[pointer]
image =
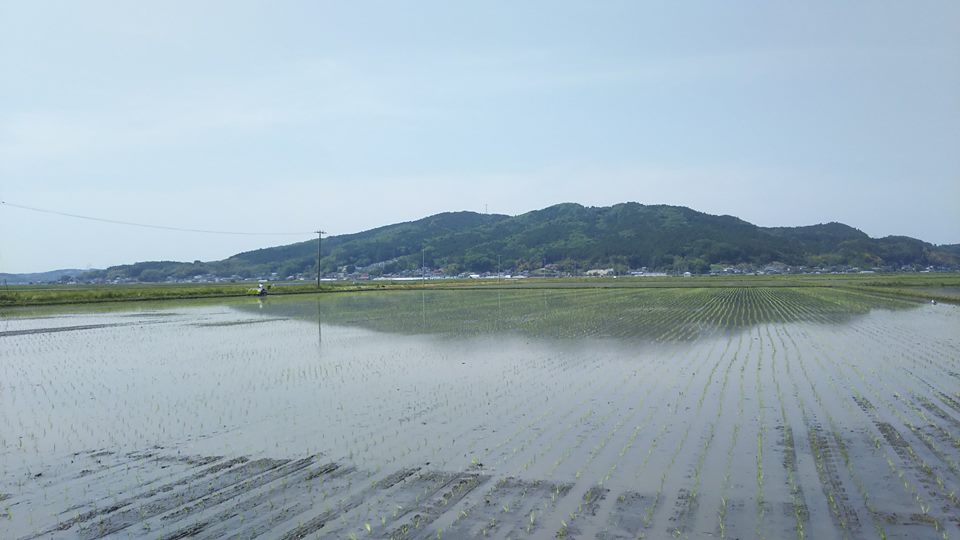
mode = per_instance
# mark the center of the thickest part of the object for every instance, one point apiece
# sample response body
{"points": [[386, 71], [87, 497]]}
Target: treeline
{"points": [[568, 237]]}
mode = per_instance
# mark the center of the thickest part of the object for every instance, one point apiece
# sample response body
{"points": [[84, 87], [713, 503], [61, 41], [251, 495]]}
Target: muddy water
{"points": [[593, 415]]}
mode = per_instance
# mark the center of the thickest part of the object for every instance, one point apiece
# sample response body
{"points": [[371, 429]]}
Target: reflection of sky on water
{"points": [[383, 382], [214, 380]]}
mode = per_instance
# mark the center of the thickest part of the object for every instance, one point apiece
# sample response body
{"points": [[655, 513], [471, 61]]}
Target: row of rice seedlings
{"points": [[443, 411], [618, 385], [951, 438], [761, 427], [725, 484], [602, 443], [749, 311], [897, 353], [662, 318], [833, 304], [927, 440], [734, 435], [897, 356], [641, 468], [722, 319], [737, 308], [919, 463], [468, 438], [694, 492], [944, 348], [811, 305], [569, 449], [910, 349], [762, 305], [714, 311], [910, 488], [700, 317], [587, 313], [886, 389], [670, 361], [551, 444], [863, 491], [641, 314], [444, 407], [534, 431], [732, 317], [820, 464], [645, 393], [800, 512], [124, 426], [630, 442], [33, 386], [668, 322], [648, 515], [814, 440], [748, 354], [861, 488]]}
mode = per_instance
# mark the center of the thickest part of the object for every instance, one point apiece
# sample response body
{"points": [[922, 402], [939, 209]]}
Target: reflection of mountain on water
{"points": [[657, 314]]}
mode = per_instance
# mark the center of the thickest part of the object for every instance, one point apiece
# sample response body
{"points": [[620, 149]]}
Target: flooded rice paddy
{"points": [[700, 413]]}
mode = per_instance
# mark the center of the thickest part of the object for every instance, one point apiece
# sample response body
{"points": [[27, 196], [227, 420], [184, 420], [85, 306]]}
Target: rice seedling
{"points": [[591, 390]]}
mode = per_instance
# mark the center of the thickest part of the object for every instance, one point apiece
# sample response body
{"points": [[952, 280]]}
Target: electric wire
{"points": [[151, 226]]}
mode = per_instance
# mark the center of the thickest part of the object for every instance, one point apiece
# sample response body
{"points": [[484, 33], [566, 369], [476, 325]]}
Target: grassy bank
{"points": [[940, 287], [35, 295]]}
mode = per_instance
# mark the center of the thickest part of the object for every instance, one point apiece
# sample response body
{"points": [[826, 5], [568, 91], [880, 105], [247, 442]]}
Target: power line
{"points": [[149, 226]]}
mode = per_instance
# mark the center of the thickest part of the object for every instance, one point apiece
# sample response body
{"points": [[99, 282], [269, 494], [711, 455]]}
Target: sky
{"points": [[292, 116]]}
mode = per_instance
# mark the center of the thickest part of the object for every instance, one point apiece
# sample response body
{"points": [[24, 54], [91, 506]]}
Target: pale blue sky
{"points": [[286, 116]]}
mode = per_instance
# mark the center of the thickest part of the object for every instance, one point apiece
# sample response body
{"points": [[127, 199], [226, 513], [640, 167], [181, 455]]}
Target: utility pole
{"points": [[423, 266], [320, 234]]}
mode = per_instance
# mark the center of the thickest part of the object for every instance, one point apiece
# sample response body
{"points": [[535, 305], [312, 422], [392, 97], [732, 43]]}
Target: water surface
{"points": [[596, 413]]}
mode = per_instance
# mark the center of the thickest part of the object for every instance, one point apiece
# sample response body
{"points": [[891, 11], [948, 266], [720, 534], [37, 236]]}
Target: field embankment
{"points": [[921, 287]]}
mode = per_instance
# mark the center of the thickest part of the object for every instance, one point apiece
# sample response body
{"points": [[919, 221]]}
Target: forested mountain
{"points": [[569, 237], [41, 277]]}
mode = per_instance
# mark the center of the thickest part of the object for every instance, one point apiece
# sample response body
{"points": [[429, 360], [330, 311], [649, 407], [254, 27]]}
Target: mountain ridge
{"points": [[38, 277], [568, 237]]}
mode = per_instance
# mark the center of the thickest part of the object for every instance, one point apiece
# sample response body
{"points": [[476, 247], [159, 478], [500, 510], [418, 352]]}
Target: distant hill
{"points": [[950, 248], [41, 277], [567, 237]]}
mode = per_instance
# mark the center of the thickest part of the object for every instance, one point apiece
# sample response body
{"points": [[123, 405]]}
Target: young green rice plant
{"points": [[790, 451], [921, 465], [928, 441], [848, 462], [759, 456]]}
